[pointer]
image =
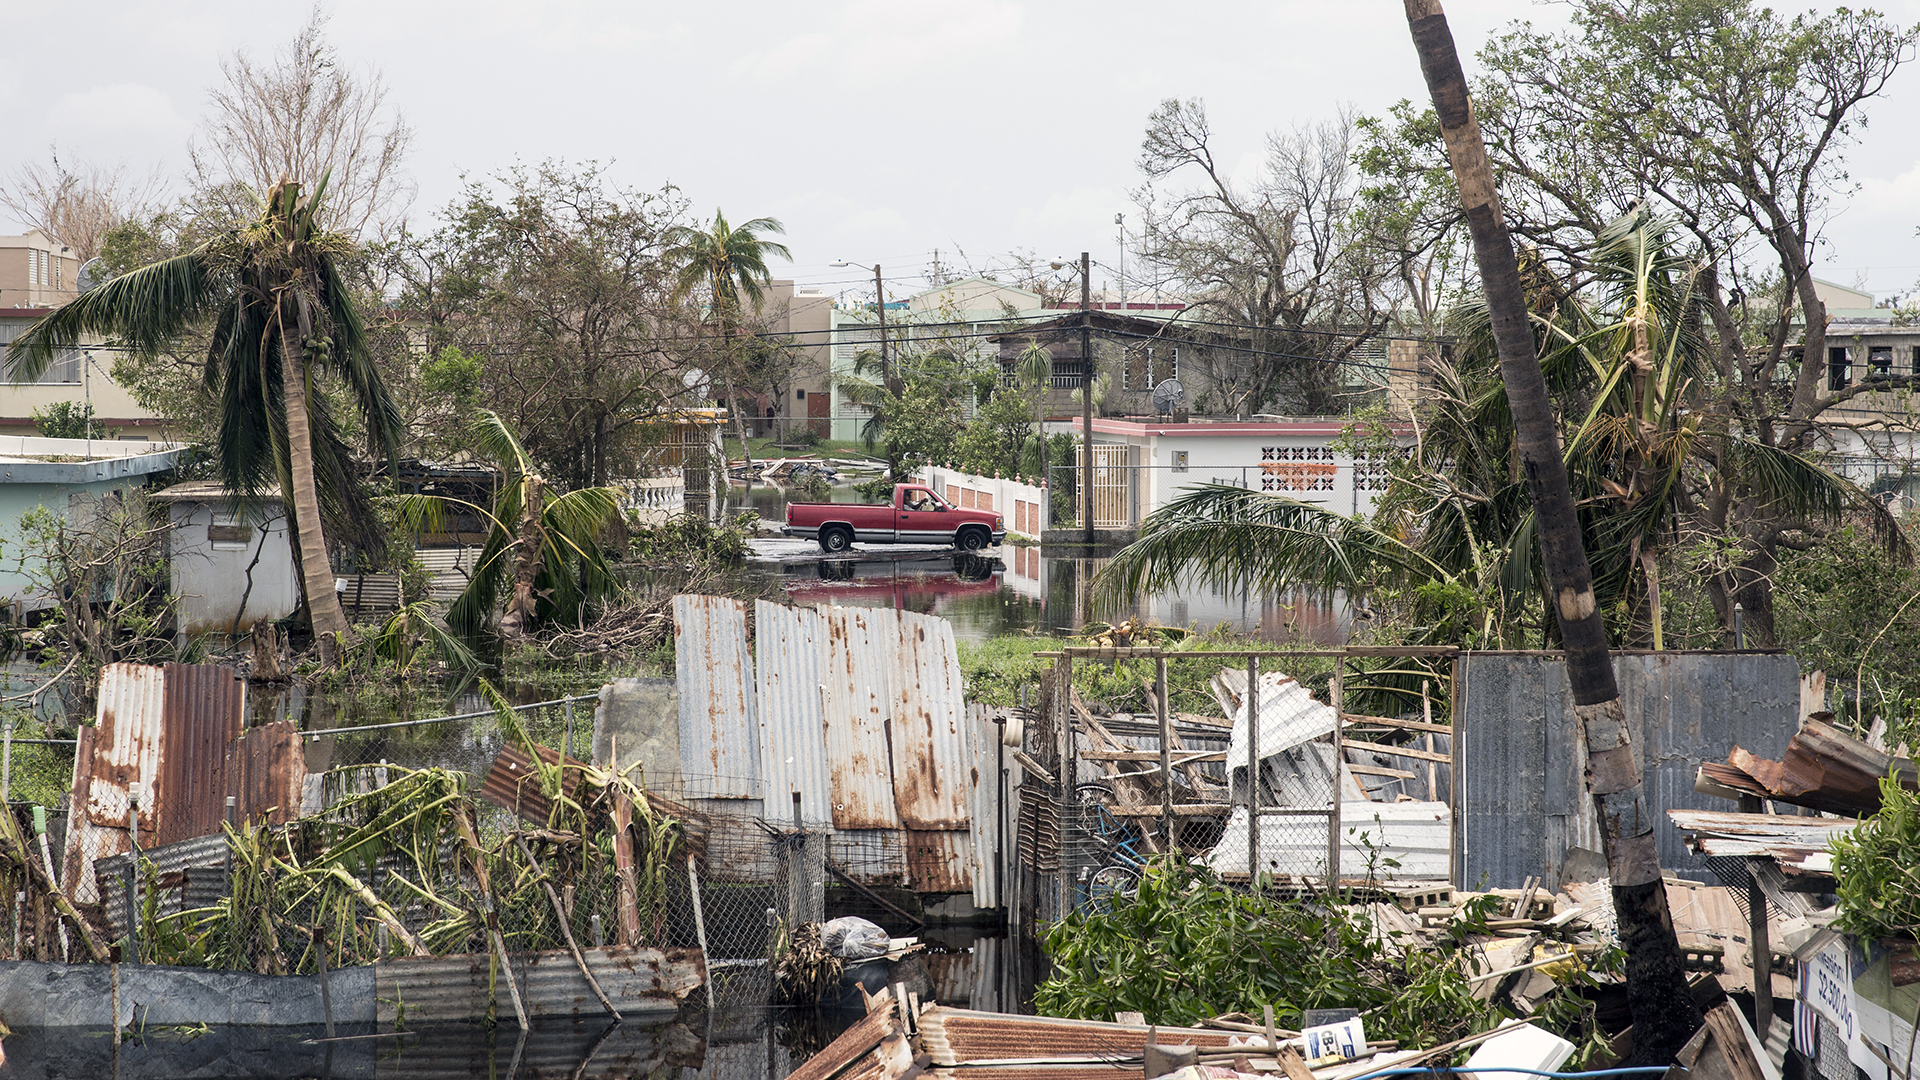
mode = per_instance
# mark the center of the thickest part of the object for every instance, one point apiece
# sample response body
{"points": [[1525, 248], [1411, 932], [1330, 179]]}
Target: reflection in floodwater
{"points": [[1022, 589]]}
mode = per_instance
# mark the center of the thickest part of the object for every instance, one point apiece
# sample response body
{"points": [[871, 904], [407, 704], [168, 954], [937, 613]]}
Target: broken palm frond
{"points": [[807, 973]]}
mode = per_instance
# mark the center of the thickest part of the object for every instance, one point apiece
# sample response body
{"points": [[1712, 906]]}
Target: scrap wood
{"points": [[1196, 780], [10, 828], [854, 1043]]}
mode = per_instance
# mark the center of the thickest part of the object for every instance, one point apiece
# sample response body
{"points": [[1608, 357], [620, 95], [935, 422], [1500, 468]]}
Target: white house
{"points": [[61, 475], [1141, 463], [232, 564]]}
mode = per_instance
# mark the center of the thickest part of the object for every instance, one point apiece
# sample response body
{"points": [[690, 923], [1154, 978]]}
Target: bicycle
{"points": [[1121, 861]]}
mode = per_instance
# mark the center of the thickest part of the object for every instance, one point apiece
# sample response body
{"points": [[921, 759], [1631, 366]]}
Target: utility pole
{"points": [[1120, 220], [1086, 390], [880, 305]]}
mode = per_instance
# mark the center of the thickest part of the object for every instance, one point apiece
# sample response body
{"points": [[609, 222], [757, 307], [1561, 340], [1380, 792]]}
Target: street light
{"points": [[1086, 389], [879, 305]]}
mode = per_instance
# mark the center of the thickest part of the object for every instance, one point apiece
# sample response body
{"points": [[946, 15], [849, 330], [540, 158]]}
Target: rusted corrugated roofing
{"points": [[924, 713], [789, 645], [854, 707], [513, 783], [939, 860], [639, 981], [957, 1036], [177, 732], [204, 711], [719, 736], [983, 802]]}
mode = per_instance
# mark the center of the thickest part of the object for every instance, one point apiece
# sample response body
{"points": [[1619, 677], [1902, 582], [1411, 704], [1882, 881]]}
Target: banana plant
{"points": [[542, 558]]}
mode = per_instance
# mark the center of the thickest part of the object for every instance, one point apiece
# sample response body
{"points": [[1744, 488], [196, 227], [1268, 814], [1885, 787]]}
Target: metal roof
{"points": [[639, 981], [719, 737]]}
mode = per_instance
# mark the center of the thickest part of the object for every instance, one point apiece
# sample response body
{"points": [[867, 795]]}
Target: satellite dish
{"points": [[1169, 397], [85, 279]]}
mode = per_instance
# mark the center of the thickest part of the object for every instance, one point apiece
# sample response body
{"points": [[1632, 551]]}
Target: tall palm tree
{"points": [[542, 551], [282, 315], [730, 262]]}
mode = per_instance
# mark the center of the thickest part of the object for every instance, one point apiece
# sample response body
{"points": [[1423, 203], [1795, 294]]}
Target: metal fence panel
{"points": [[930, 761], [1523, 798], [854, 707], [719, 737], [789, 643], [121, 747]]}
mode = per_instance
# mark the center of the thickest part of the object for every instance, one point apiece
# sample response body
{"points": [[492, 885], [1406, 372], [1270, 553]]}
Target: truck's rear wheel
{"points": [[835, 539], [973, 539]]}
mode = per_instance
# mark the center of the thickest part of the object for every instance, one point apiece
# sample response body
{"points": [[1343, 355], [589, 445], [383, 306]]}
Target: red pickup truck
{"points": [[917, 516]]}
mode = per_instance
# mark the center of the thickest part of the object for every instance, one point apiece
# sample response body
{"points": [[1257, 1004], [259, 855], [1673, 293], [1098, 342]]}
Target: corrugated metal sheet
{"points": [[983, 803], [719, 736], [513, 783], [266, 772], [790, 643], [122, 747], [956, 1036], [205, 710], [924, 715], [939, 860], [192, 874], [1523, 794], [177, 731], [639, 982], [854, 708], [872, 856], [591, 1051]]}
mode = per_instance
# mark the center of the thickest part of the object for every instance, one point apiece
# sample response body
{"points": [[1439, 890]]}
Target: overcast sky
{"points": [[877, 130]]}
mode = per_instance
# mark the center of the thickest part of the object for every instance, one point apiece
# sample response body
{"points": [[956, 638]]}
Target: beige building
{"points": [[805, 315], [36, 271]]}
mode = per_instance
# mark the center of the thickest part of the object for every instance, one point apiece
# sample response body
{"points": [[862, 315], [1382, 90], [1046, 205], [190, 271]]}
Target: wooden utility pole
{"points": [[1086, 393], [880, 308], [1664, 1014]]}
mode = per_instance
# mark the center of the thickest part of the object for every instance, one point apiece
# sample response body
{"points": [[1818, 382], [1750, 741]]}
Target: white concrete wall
{"points": [[210, 578], [1022, 505]]}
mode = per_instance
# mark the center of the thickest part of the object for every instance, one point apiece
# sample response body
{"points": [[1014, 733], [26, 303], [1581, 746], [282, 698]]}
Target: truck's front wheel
{"points": [[973, 540], [835, 539]]}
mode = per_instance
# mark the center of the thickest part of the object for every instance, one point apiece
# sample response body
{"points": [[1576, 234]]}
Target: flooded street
{"points": [[1013, 589]]}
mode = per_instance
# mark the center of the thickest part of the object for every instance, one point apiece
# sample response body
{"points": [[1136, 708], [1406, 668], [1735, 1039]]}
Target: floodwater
{"points": [[1013, 589]]}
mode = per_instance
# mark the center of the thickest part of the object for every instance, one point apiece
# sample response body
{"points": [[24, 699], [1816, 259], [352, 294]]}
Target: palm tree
{"points": [[542, 550], [730, 263], [281, 315]]}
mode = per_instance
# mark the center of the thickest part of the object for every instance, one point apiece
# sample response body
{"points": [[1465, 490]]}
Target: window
{"points": [[1839, 372], [228, 533], [800, 394], [1880, 360], [59, 273]]}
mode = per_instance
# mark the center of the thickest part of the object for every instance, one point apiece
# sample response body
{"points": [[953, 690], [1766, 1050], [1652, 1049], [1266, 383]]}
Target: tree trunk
{"points": [[1664, 1015], [330, 628], [526, 566]]}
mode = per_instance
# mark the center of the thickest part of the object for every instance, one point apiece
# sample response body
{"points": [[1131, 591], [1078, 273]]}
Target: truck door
{"points": [[923, 517]]}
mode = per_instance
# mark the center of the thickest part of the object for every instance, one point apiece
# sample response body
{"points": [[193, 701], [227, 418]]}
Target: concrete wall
{"points": [[211, 577], [15, 501], [1295, 459]]}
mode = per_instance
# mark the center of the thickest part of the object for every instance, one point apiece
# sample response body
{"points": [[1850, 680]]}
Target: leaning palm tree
{"points": [[282, 318], [542, 554], [730, 262]]}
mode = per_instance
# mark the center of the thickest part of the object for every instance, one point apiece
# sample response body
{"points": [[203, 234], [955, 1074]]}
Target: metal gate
{"points": [[1113, 483]]}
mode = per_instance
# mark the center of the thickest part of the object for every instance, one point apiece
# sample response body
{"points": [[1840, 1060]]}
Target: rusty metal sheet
{"points": [[719, 736], [983, 803], [122, 748], [854, 713], [924, 713], [790, 646], [513, 783], [939, 861], [639, 981], [956, 1036], [266, 772], [204, 711]]}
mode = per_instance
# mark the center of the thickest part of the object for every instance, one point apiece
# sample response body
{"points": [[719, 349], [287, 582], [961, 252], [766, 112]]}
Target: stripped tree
{"points": [[1664, 1014]]}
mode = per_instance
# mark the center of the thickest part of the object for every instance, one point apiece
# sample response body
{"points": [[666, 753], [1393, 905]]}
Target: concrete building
{"points": [[37, 271], [231, 560], [805, 315], [64, 476], [78, 376]]}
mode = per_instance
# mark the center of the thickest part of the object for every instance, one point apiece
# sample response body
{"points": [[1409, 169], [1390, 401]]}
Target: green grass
{"points": [[997, 669]]}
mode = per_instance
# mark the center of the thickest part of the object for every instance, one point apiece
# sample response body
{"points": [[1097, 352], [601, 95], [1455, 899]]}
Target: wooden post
{"points": [[1333, 808], [1063, 739], [1757, 936], [629, 888], [700, 922], [1426, 713], [1252, 705], [1166, 749]]}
